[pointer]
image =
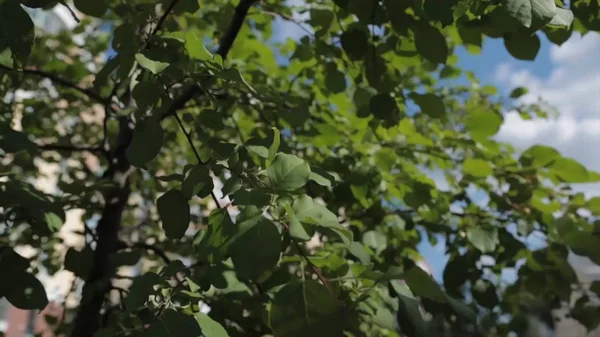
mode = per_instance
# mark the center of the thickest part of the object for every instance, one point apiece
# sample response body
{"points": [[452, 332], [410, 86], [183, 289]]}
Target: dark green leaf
{"points": [[146, 143], [430, 104], [196, 179], [431, 44], [92, 8], [79, 262], [355, 43], [518, 92], [252, 263], [174, 212], [523, 46], [17, 31], [423, 285], [26, 292], [302, 309], [384, 106]]}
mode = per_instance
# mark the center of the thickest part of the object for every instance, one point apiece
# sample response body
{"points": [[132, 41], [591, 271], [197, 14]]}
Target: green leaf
{"points": [[477, 168], [174, 212], [375, 240], [539, 156], [305, 309], [210, 327], [147, 94], [483, 239], [483, 124], [17, 31], [385, 318], [174, 323], [430, 104], [13, 141], [92, 8], [194, 45], [37, 3], [106, 332], [213, 243], [335, 80], [595, 287], [251, 263], [584, 244], [186, 6], [287, 172], [146, 143], [197, 178], [423, 285], [383, 106], [141, 288], [531, 13], [409, 315], [79, 262], [233, 74], [53, 221], [461, 309], [265, 147], [311, 212], [355, 43], [26, 292], [518, 92], [563, 18], [359, 251], [593, 205], [295, 228], [523, 46], [155, 67], [431, 44], [569, 170]]}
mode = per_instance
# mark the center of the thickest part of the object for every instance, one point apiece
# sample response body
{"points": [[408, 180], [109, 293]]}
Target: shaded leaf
{"points": [[174, 212], [305, 309], [146, 143]]}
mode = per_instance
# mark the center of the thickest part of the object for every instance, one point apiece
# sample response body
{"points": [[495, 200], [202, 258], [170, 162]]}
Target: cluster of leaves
{"points": [[320, 145]]}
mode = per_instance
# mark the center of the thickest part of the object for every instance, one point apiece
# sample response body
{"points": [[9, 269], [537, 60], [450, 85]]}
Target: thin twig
{"points": [[315, 270], [162, 19], [196, 154], [70, 148], [159, 252], [58, 80]]}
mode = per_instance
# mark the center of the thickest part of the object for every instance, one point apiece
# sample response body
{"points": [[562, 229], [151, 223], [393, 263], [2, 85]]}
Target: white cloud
{"points": [[573, 88]]}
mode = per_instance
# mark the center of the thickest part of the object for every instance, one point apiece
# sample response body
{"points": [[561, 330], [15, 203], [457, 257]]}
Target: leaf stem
{"points": [[196, 154]]}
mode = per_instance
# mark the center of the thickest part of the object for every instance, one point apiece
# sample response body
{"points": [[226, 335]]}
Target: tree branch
{"points": [[159, 252], [62, 82], [162, 19], [70, 148], [225, 45]]}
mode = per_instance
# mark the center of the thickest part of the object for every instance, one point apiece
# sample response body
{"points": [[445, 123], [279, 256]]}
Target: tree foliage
{"points": [[214, 153]]}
